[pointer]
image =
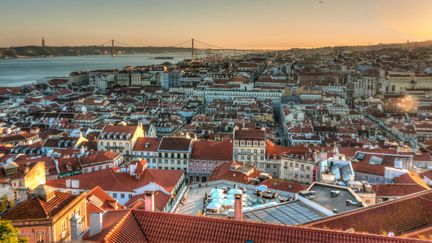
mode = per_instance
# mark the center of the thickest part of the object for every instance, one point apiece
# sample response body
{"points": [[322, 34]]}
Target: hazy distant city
{"points": [[287, 127]]}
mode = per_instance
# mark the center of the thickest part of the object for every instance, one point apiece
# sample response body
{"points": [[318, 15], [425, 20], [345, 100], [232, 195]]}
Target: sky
{"points": [[247, 24]]}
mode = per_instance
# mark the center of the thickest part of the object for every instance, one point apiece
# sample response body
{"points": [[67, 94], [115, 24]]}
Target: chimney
{"points": [[96, 220], [76, 227], [238, 207], [149, 201]]}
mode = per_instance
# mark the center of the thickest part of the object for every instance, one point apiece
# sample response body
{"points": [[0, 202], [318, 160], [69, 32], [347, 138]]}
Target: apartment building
{"points": [[120, 138], [249, 146]]}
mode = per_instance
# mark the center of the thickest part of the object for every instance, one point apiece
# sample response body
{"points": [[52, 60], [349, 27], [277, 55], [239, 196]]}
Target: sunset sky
{"points": [[261, 24]]}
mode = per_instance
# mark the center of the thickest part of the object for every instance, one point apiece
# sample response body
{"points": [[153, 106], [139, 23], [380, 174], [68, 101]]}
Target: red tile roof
{"points": [[396, 190], [399, 216], [119, 129], [177, 144], [110, 180], [37, 208], [274, 150], [283, 185], [224, 171], [110, 220], [10, 90], [107, 202], [160, 199], [99, 157], [411, 178], [147, 144], [249, 134], [212, 150], [143, 226]]}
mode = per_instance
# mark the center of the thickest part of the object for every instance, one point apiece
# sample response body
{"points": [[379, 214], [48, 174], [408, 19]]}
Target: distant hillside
{"points": [[387, 46], [38, 51]]}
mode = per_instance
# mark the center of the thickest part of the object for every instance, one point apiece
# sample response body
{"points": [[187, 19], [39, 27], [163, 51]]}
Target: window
{"points": [[114, 195], [122, 195], [40, 236], [63, 227], [78, 210], [130, 196]]}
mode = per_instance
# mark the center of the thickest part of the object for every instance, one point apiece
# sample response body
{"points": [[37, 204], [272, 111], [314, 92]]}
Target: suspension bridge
{"points": [[195, 46]]}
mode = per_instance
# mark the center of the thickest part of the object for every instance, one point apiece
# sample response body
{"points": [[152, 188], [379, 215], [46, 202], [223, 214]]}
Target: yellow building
{"points": [[120, 138]]}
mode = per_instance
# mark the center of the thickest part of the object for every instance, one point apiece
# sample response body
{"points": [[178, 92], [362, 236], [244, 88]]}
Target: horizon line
{"points": [[229, 48]]}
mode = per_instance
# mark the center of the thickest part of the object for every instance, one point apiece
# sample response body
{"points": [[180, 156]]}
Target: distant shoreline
{"points": [[23, 52], [89, 55]]}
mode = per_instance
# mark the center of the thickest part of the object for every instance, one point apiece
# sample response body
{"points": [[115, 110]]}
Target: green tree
{"points": [[8, 233], [3, 204]]}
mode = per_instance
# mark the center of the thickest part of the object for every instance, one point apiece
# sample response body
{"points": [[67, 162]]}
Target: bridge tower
{"points": [[112, 48], [193, 48]]}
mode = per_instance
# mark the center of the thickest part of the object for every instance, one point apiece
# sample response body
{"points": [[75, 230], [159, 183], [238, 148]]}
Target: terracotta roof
{"points": [[147, 144], [86, 116], [57, 81], [212, 150], [411, 178], [249, 134], [10, 90], [119, 129], [224, 171], [177, 144], [160, 199], [98, 157], [110, 180], [396, 190], [143, 226], [399, 216], [106, 201], [283, 185], [110, 220], [274, 150], [37, 208]]}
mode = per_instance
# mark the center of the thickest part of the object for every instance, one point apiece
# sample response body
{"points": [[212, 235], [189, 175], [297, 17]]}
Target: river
{"points": [[17, 72]]}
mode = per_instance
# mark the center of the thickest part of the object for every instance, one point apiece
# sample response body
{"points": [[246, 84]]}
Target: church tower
{"points": [[43, 42]]}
